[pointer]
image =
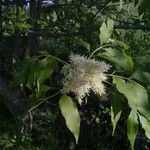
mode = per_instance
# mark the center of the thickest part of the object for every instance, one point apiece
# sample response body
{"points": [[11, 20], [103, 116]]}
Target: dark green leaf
{"points": [[84, 44], [141, 76], [143, 59], [119, 58], [143, 6], [116, 110]]}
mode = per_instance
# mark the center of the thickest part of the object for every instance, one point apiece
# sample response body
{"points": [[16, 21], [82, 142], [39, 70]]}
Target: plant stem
{"points": [[112, 75], [43, 100], [98, 50]]}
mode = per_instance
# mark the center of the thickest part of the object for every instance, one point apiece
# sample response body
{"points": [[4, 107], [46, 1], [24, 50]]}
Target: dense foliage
{"points": [[74, 74]]}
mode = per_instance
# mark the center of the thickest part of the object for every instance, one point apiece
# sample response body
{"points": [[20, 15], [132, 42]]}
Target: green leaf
{"points": [[145, 125], [116, 110], [141, 76], [106, 30], [39, 71], [132, 127], [135, 93], [70, 112], [20, 77], [136, 2], [84, 44], [119, 58], [46, 67], [120, 44], [143, 59], [121, 3], [54, 16], [143, 6], [69, 1]]}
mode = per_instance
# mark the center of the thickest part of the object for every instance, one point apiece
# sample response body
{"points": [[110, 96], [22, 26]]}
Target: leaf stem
{"points": [[112, 75], [101, 47], [43, 100]]}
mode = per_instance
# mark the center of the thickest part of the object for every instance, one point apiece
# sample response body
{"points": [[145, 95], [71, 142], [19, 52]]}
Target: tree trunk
{"points": [[33, 40], [17, 36], [1, 34]]}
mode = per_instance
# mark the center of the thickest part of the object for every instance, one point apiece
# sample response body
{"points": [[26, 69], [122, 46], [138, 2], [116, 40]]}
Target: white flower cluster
{"points": [[84, 75]]}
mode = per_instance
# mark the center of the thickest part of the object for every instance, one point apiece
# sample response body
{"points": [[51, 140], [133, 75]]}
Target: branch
{"points": [[133, 27], [101, 8], [86, 31], [65, 34], [43, 100], [120, 21]]}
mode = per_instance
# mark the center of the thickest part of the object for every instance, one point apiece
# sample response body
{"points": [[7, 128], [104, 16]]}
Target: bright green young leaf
{"points": [[119, 58], [141, 76], [70, 112], [132, 127], [106, 30], [136, 94], [145, 125], [116, 110]]}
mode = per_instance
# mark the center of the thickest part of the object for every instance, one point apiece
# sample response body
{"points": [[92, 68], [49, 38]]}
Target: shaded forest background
{"points": [[31, 30]]}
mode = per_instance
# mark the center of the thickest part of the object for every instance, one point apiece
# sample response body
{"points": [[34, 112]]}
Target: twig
{"points": [[43, 100]]}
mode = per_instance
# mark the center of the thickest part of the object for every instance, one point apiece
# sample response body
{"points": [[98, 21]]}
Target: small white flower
{"points": [[84, 75]]}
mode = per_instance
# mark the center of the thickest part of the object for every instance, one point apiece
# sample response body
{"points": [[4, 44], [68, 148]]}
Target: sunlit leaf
{"points": [[136, 94], [70, 112], [145, 125], [106, 30], [132, 127]]}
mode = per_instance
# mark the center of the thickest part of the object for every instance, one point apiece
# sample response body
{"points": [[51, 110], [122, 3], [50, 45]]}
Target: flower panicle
{"points": [[84, 75]]}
